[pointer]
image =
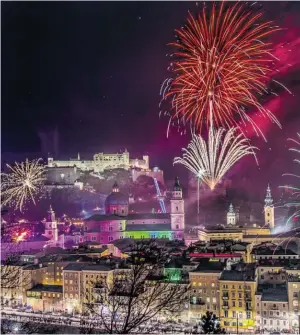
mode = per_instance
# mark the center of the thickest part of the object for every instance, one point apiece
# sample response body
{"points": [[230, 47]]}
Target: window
{"points": [[110, 228], [248, 315], [110, 238], [177, 226], [262, 277], [233, 304], [271, 313], [93, 238], [233, 287], [177, 208], [226, 314], [234, 314], [240, 304]]}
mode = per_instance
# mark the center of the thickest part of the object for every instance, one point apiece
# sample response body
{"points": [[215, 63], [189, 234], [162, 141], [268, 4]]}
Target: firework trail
{"points": [[295, 189], [221, 58], [222, 150], [22, 184]]}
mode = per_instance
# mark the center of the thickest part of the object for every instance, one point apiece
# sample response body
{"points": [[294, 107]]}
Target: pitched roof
{"points": [[149, 227], [210, 267], [241, 272], [275, 295], [133, 216]]}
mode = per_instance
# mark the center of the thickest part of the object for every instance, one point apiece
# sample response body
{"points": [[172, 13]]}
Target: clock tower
{"points": [[177, 211]]}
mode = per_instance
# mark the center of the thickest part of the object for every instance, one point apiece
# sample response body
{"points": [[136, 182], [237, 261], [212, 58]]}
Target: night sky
{"points": [[94, 70]]}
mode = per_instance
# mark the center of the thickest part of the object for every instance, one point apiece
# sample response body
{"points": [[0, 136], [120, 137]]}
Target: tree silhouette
{"points": [[210, 324]]}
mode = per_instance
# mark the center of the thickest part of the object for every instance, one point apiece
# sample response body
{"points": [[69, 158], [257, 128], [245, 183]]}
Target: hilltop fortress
{"points": [[102, 162]]}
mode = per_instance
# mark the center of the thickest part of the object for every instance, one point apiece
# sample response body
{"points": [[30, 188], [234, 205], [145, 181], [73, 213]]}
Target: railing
{"points": [[225, 307]]}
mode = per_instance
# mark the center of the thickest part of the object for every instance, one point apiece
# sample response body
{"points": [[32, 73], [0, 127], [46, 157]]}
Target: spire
{"points": [[268, 200], [115, 187], [177, 186], [230, 209]]}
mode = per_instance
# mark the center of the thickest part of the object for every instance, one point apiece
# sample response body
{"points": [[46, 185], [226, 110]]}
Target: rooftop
{"points": [[275, 295], [207, 266], [241, 272], [134, 216]]}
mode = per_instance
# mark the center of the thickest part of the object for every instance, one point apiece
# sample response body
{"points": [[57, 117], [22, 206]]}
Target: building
{"points": [[45, 298], [117, 223], [293, 286], [237, 298], [51, 231], [272, 308], [204, 295], [102, 162], [269, 210]]}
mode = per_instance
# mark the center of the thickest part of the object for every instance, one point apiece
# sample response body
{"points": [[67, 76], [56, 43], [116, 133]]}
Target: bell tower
{"points": [[51, 226], [231, 216], [269, 209], [177, 211]]}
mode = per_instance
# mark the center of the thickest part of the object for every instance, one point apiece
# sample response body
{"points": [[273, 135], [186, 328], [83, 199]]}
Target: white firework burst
{"points": [[22, 184], [210, 161]]}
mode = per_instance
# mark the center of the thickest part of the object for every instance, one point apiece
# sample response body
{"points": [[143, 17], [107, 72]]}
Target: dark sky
{"points": [[94, 69]]}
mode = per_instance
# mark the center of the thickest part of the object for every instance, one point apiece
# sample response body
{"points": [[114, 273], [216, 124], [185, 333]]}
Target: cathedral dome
{"points": [[116, 198]]}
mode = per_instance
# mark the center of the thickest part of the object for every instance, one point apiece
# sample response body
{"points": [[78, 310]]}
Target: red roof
{"points": [[211, 255]]}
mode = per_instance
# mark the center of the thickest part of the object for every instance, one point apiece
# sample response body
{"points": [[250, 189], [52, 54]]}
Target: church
{"points": [[117, 223]]}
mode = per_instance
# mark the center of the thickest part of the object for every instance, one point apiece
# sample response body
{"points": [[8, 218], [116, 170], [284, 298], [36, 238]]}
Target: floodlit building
{"points": [[102, 162], [117, 223], [237, 298]]}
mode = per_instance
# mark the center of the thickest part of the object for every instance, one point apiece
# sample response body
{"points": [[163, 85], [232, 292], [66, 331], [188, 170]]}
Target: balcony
{"points": [[225, 307], [225, 297]]}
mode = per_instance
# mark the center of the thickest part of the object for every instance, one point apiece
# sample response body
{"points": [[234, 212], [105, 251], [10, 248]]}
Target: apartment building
{"points": [[204, 295], [237, 298], [272, 308]]}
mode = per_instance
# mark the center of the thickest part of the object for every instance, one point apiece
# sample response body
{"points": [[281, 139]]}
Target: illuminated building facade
{"points": [[231, 216], [204, 294], [269, 210], [237, 299], [102, 162], [118, 224]]}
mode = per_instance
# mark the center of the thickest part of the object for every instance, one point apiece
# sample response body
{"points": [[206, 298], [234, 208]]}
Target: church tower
{"points": [[177, 211], [51, 226], [269, 210], [231, 216]]}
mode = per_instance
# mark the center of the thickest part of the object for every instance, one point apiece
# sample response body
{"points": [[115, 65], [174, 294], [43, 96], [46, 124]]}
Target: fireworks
{"points": [[223, 150], [295, 189], [22, 184], [220, 58]]}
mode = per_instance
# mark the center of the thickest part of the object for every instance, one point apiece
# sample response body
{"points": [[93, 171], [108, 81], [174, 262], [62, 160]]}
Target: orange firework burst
{"points": [[222, 59]]}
